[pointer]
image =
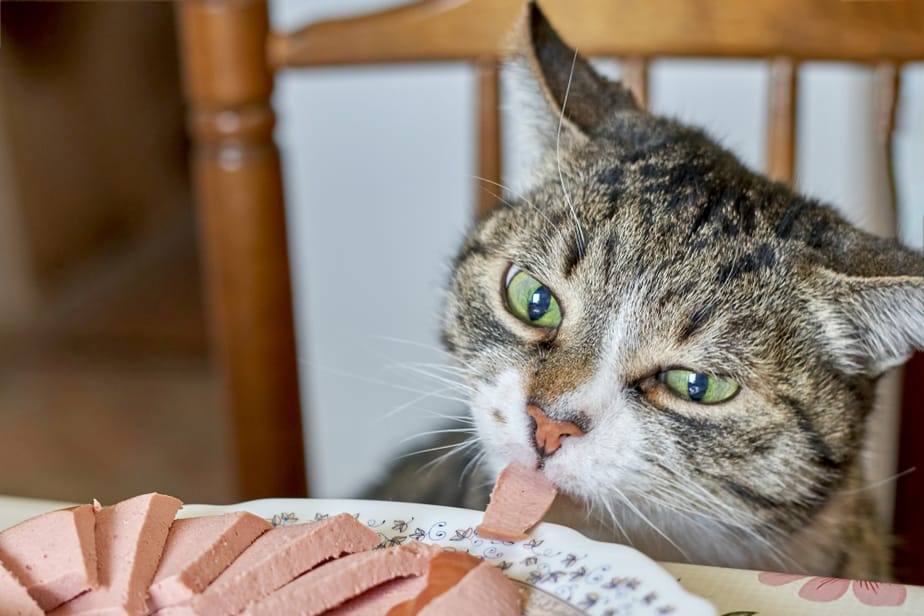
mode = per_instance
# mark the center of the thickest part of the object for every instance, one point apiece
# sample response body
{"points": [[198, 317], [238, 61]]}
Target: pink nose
{"points": [[550, 432]]}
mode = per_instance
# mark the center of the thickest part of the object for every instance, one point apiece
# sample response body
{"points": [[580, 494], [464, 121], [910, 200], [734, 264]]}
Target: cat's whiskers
{"points": [[518, 195], [469, 430], [493, 194], [708, 526], [421, 369], [638, 512], [706, 502], [372, 381], [472, 465], [561, 175], [710, 523], [436, 393], [612, 518], [880, 482], [454, 449], [415, 343]]}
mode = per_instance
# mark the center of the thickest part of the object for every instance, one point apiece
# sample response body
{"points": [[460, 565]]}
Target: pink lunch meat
{"points": [[379, 600], [130, 538], [197, 551], [458, 583], [339, 581], [15, 599], [446, 569], [519, 499], [483, 590], [53, 555], [279, 556]]}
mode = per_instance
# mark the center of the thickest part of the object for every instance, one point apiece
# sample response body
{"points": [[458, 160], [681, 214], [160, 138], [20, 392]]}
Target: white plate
{"points": [[566, 573]]}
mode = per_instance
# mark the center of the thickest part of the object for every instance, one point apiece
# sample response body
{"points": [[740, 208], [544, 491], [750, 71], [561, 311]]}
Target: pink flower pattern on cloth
{"points": [[877, 594]]}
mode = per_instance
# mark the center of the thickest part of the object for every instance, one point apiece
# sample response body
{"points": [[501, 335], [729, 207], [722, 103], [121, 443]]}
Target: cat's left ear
{"points": [[583, 98], [870, 323]]}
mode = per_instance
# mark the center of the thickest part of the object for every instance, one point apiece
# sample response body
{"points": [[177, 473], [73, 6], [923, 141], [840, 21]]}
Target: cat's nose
{"points": [[550, 432]]}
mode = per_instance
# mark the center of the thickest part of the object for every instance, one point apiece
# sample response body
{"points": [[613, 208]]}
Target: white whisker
{"points": [[410, 367], [650, 524], [473, 464], [453, 450], [432, 432], [436, 393], [415, 343], [614, 518], [417, 452], [561, 175], [875, 484]]}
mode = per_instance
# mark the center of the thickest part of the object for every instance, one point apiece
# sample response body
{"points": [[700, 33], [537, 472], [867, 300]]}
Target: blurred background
{"points": [[106, 386]]}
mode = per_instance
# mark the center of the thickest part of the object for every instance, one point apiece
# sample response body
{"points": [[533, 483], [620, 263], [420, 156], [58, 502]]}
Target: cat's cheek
{"points": [[592, 466], [499, 411]]}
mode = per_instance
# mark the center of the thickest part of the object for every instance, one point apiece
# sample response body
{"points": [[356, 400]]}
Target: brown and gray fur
{"points": [[664, 250]]}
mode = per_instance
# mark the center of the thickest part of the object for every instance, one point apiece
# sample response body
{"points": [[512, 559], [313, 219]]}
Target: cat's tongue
{"points": [[520, 498]]}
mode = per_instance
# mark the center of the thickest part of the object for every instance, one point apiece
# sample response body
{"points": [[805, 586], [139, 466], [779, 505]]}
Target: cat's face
{"points": [[704, 328], [675, 276]]}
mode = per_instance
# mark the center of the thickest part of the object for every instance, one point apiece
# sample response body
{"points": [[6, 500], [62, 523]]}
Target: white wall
{"points": [[378, 171]]}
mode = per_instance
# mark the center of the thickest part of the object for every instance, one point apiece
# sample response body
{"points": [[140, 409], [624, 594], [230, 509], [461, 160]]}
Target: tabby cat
{"points": [[710, 339]]}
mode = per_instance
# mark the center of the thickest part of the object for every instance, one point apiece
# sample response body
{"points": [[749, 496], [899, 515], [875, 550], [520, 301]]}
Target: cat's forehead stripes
{"points": [[763, 257], [697, 319]]}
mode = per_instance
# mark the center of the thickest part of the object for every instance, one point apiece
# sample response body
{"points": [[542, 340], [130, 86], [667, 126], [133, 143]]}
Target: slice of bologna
{"points": [[338, 581], [446, 570], [53, 555], [16, 600], [483, 590], [459, 583], [519, 499], [277, 557], [130, 538], [197, 551], [377, 601]]}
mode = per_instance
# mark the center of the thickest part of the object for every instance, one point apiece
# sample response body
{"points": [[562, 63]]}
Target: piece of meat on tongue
{"points": [[130, 538], [520, 498], [15, 599], [53, 555], [338, 581], [277, 557], [197, 551]]}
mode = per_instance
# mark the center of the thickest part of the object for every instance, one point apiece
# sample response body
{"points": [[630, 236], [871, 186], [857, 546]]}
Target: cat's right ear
{"points": [[580, 96], [870, 323]]}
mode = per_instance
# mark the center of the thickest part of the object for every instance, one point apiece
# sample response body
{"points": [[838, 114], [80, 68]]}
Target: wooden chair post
{"points": [[242, 225], [489, 136], [781, 128]]}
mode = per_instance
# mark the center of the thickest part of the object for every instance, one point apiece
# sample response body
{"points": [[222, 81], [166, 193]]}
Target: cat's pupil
{"points": [[697, 384], [539, 303]]}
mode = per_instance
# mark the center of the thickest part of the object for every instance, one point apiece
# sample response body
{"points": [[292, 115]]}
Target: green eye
{"points": [[531, 301], [697, 387]]}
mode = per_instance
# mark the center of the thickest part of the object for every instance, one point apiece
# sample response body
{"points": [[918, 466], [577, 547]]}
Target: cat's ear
{"points": [[582, 97], [870, 323]]}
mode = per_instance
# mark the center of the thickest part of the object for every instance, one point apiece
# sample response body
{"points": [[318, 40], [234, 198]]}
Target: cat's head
{"points": [[714, 335]]}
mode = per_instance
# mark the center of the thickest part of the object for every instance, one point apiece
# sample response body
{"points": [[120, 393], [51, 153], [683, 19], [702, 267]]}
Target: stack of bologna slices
{"points": [[136, 558]]}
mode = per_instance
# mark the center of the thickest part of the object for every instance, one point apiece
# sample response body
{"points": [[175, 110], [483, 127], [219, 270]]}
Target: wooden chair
{"points": [[230, 56]]}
